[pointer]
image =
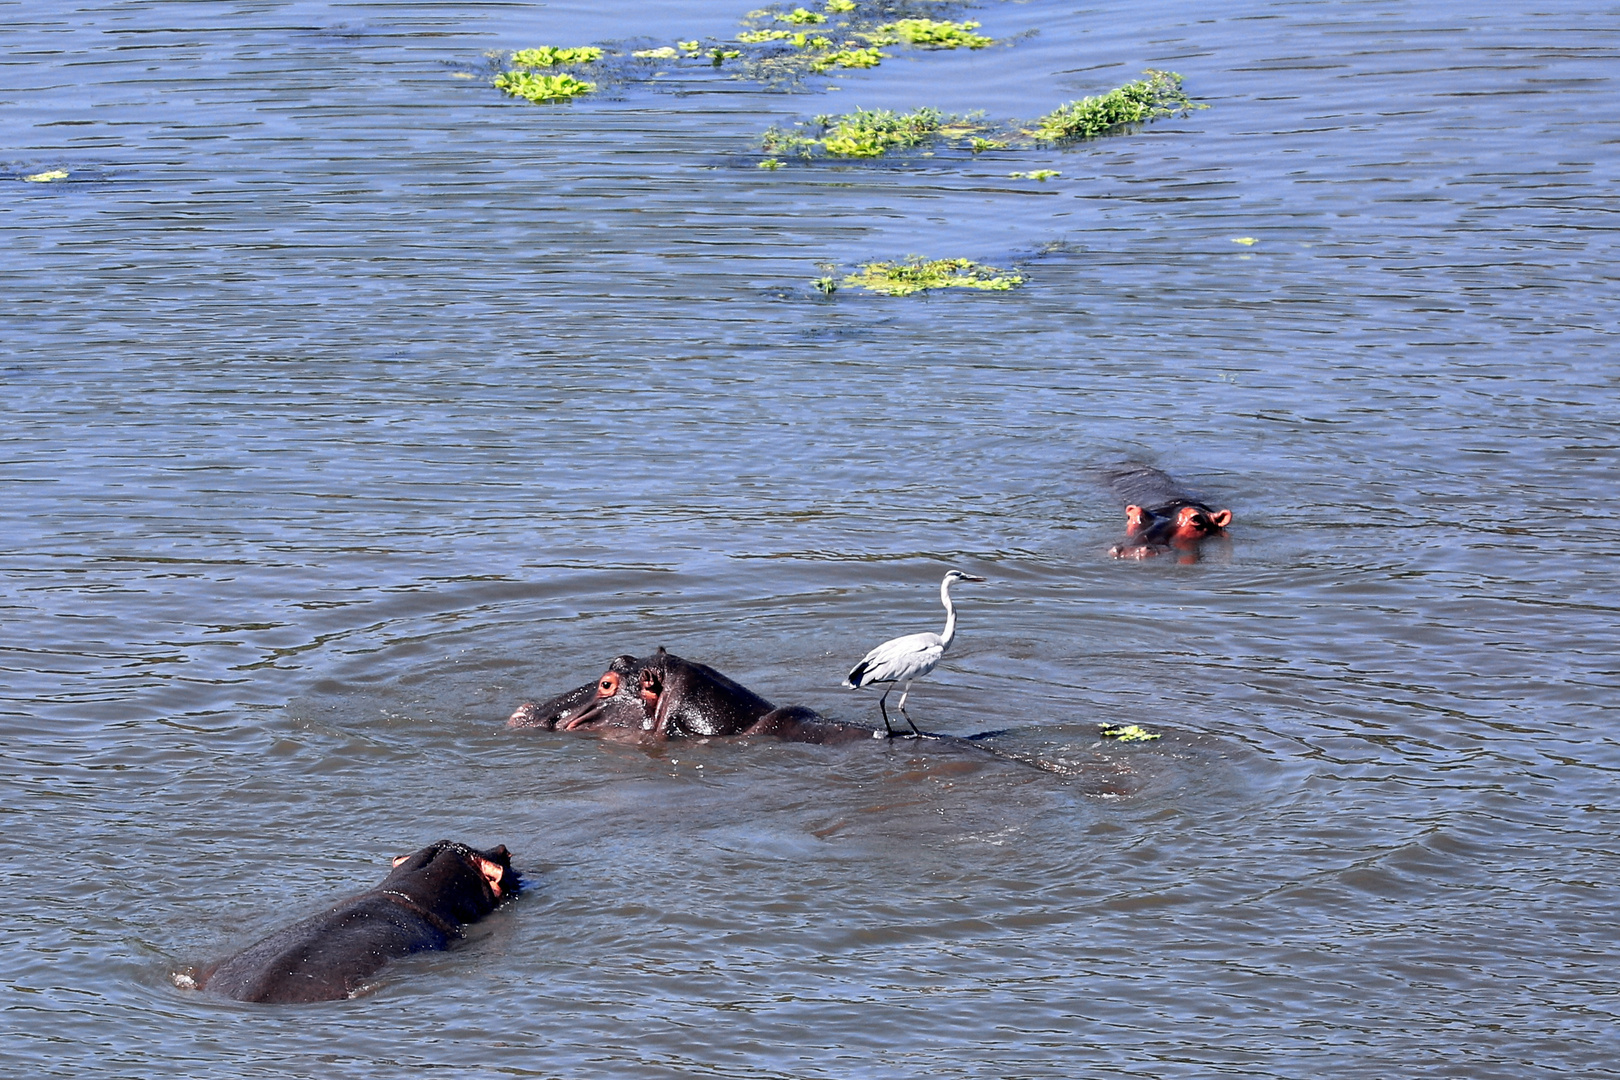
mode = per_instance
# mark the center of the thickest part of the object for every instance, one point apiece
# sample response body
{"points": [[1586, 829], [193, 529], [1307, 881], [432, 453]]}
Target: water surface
{"points": [[350, 403]]}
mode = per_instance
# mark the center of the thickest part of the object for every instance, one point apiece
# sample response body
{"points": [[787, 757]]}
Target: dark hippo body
{"points": [[1159, 515], [422, 905], [666, 697]]}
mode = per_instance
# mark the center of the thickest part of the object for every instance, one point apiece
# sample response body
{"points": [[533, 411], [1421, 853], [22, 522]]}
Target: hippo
{"points": [[420, 906], [665, 697], [1159, 515]]}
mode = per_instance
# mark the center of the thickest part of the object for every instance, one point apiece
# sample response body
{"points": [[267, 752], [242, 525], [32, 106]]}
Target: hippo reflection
{"points": [[666, 697], [1159, 515]]}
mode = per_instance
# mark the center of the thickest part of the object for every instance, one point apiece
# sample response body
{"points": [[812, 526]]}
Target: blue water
{"points": [[350, 403]]}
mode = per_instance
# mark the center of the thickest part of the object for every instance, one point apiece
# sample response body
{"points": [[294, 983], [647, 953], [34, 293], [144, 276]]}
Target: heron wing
{"points": [[898, 659]]}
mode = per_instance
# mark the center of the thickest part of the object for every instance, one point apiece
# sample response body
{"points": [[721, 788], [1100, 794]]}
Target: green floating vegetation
{"points": [[802, 17], [543, 88], [47, 177], [524, 80], [864, 133], [931, 34], [1158, 95], [1035, 174], [1129, 733], [848, 58], [555, 56], [916, 274], [779, 45], [870, 133]]}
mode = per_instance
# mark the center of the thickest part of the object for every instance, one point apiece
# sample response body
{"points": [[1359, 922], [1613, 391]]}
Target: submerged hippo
{"points": [[1159, 515], [666, 697], [422, 905]]}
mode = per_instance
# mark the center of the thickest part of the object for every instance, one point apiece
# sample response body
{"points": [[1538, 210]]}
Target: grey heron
{"points": [[907, 659]]}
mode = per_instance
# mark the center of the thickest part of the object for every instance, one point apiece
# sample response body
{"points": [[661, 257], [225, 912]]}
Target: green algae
{"points": [[555, 56], [802, 17], [1156, 96], [543, 88], [1129, 733], [915, 274], [864, 133], [848, 58], [1035, 174], [47, 177], [870, 133], [931, 34], [525, 79]]}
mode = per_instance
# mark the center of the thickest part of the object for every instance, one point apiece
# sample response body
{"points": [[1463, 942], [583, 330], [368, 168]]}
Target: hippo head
{"points": [[611, 701], [453, 880], [683, 699]]}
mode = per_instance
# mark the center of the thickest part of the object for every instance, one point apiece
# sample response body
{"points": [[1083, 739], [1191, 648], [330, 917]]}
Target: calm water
{"points": [[349, 403]]}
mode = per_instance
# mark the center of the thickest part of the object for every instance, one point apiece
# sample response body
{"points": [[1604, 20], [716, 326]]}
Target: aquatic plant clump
{"points": [[848, 58], [543, 88], [870, 132], [1158, 95], [554, 56], [1129, 733], [916, 274], [932, 34]]}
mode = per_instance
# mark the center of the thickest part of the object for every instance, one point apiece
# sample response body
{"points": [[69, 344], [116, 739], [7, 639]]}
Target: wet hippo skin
{"points": [[666, 697], [422, 905]]}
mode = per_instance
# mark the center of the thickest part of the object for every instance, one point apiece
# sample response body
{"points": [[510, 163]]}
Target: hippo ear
{"points": [[1134, 515], [1221, 518], [492, 871], [652, 685], [397, 860]]}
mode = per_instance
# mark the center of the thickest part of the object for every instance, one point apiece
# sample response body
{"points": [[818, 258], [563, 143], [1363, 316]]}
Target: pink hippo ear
{"points": [[492, 872], [1221, 518], [398, 859]]}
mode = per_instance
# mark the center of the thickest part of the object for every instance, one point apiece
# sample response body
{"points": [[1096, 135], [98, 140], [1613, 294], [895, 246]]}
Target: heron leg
{"points": [[885, 712], [916, 733]]}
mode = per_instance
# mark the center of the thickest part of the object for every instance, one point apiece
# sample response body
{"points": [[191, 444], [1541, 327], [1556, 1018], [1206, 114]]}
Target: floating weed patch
{"points": [[781, 45], [47, 177], [916, 274], [525, 80], [1129, 733], [864, 133], [870, 132], [1158, 95], [542, 88], [1035, 174], [931, 34], [553, 56], [848, 58]]}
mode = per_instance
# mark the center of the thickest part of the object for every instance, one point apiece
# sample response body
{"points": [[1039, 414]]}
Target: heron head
{"points": [[956, 575]]}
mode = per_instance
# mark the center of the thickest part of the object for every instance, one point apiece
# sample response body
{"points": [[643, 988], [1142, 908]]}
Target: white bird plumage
{"points": [[907, 659]]}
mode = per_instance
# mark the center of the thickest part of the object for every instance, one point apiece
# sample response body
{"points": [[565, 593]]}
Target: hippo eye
{"points": [[608, 686]]}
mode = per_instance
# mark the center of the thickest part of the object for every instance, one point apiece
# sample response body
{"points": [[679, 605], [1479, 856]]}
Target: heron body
{"points": [[906, 659]]}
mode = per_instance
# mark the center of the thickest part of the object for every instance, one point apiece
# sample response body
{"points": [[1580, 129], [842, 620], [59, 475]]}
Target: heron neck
{"points": [[950, 616]]}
